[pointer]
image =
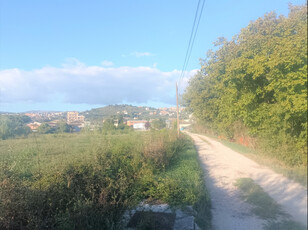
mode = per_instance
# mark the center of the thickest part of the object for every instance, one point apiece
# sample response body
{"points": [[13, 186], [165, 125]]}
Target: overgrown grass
{"points": [[87, 180], [183, 183], [266, 207]]}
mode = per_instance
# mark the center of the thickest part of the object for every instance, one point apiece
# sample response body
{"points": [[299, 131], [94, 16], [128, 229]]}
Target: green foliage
{"points": [[108, 125], [87, 180], [147, 125], [13, 126], [258, 81], [63, 127], [181, 182], [45, 128], [159, 123], [96, 115]]}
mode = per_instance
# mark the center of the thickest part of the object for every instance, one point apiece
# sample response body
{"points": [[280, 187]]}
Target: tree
{"points": [[147, 125], [258, 80], [63, 127], [45, 129], [159, 123], [13, 125], [108, 125]]}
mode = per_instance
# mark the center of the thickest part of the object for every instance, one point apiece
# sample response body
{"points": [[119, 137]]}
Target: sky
{"points": [[66, 55]]}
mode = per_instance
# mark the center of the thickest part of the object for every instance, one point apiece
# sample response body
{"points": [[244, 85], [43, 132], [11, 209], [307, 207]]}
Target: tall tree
{"points": [[13, 125], [258, 80]]}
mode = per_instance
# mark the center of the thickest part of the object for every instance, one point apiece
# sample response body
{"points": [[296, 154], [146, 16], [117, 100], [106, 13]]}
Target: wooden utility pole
{"points": [[177, 110]]}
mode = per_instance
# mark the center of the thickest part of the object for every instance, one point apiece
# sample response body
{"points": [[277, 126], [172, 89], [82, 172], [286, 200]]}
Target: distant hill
{"points": [[42, 111], [1, 112], [127, 111]]}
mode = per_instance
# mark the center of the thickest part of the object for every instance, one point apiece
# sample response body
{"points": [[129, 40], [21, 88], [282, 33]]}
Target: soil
{"points": [[224, 166]]}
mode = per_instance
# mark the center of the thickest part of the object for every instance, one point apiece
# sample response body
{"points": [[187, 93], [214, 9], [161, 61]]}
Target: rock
{"points": [[184, 219], [184, 223]]}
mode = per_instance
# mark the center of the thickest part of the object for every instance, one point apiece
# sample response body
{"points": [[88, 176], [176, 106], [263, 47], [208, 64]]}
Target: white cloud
{"points": [[141, 54], [107, 63], [78, 83], [72, 62]]}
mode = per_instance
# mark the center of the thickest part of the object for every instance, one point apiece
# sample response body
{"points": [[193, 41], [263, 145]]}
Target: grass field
{"points": [[87, 180]]}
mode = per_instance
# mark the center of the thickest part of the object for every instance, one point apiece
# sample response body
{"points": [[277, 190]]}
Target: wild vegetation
{"points": [[253, 88], [87, 180]]}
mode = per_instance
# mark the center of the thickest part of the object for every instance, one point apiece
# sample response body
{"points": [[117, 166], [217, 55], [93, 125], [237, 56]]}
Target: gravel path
{"points": [[223, 166]]}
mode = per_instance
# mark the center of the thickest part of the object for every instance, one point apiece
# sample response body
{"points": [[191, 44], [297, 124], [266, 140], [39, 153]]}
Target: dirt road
{"points": [[224, 166]]}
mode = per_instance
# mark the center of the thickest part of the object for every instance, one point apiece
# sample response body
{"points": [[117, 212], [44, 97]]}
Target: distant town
{"points": [[136, 117]]}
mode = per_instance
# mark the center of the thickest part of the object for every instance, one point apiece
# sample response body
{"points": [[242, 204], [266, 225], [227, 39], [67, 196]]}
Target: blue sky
{"points": [[77, 55]]}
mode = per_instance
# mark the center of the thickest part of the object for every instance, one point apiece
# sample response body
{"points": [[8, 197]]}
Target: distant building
{"points": [[116, 123], [172, 109], [163, 113], [137, 124], [31, 115], [34, 126], [73, 117], [168, 124], [54, 123]]}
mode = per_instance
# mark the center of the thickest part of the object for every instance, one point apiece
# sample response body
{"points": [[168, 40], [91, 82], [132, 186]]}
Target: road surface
{"points": [[224, 166]]}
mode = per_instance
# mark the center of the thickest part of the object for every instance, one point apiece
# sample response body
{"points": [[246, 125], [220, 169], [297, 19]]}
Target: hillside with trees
{"points": [[131, 112], [253, 88], [128, 111]]}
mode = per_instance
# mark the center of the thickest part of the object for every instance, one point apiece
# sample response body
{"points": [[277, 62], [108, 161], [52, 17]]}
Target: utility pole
{"points": [[177, 110]]}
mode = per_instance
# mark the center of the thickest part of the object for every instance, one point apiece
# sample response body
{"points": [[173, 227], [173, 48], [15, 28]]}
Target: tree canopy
{"points": [[13, 125], [258, 79], [159, 123]]}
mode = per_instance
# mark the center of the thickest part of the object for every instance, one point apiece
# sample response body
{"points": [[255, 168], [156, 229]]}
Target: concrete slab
{"points": [[184, 219]]}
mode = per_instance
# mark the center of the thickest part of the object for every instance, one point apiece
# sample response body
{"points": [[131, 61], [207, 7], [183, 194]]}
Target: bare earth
{"points": [[224, 166]]}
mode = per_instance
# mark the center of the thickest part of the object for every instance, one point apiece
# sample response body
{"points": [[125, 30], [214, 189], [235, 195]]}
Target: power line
{"points": [[187, 56], [194, 37], [193, 34]]}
